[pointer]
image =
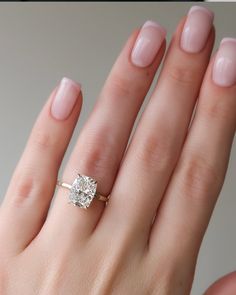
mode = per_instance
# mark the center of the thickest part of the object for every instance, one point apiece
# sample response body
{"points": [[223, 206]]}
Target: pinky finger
{"points": [[28, 198]]}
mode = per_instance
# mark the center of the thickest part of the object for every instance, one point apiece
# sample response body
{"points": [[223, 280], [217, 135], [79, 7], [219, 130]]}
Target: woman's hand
{"points": [[162, 189]]}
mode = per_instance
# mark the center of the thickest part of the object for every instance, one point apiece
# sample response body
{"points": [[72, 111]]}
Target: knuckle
{"points": [[99, 156], [26, 186], [201, 178], [182, 75], [155, 152], [218, 109], [95, 159], [120, 86], [42, 140]]}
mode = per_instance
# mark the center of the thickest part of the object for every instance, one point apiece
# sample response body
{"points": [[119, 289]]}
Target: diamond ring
{"points": [[82, 191]]}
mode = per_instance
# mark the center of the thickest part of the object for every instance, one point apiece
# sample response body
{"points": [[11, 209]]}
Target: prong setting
{"points": [[83, 191]]}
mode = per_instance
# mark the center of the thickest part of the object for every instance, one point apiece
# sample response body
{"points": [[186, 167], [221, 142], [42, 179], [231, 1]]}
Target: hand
{"points": [[162, 189]]}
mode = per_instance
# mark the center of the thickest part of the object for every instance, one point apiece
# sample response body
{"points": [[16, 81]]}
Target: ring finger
{"points": [[102, 142]]}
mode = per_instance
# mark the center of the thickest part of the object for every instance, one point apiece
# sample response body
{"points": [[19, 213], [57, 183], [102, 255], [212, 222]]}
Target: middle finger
{"points": [[157, 142]]}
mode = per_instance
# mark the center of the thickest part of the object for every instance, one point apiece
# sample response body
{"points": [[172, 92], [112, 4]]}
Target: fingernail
{"points": [[65, 99], [196, 29], [147, 44], [224, 68]]}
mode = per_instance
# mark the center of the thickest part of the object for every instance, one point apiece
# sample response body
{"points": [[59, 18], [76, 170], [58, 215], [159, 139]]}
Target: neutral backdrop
{"points": [[42, 42]]}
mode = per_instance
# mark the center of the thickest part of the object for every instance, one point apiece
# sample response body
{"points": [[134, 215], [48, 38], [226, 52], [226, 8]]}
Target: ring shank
{"points": [[63, 184], [101, 197]]}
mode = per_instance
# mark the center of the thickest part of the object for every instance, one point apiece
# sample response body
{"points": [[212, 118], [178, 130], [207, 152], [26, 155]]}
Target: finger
{"points": [[101, 144], [200, 172], [31, 189], [223, 286], [157, 141]]}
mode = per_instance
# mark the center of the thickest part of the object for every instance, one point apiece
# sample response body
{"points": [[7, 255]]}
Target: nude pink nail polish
{"points": [[224, 68], [196, 29], [65, 99], [147, 44]]}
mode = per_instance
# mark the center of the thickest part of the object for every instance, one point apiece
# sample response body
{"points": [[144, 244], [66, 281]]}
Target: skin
{"points": [[168, 172]]}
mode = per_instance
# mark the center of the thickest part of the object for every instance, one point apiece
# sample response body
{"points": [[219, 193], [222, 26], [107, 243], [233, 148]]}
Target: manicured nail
{"points": [[65, 99], [147, 44], [196, 29], [224, 68]]}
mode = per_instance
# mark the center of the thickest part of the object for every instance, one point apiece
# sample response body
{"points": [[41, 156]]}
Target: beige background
{"points": [[42, 42]]}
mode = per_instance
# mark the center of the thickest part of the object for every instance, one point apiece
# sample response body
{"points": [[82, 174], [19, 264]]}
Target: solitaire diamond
{"points": [[82, 191]]}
